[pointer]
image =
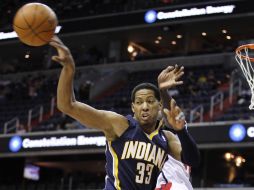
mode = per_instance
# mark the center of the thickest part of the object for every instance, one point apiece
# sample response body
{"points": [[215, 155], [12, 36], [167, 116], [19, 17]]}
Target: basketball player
{"points": [[174, 176], [136, 147]]}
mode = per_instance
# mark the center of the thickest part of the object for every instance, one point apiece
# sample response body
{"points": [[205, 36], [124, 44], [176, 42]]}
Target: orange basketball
{"points": [[35, 24]]}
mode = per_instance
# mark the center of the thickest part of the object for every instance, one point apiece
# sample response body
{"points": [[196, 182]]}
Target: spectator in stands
{"points": [[84, 90], [190, 78], [2, 93], [211, 80], [21, 129], [202, 80], [122, 102], [193, 90], [125, 167], [244, 96], [74, 125]]}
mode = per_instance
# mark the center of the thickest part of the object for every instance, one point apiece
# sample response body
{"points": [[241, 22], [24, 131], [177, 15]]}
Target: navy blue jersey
{"points": [[135, 159]]}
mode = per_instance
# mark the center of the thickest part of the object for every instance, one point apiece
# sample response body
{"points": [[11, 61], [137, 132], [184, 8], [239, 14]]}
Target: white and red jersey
{"points": [[174, 176]]}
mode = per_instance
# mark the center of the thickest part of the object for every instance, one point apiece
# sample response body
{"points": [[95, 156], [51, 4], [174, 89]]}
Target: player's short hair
{"points": [[146, 85]]}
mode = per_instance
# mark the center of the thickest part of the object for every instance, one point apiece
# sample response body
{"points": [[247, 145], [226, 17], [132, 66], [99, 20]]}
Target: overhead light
{"points": [[204, 34], [27, 56], [159, 38], [134, 54], [228, 37], [239, 160], [157, 41], [224, 31], [228, 156], [130, 48], [173, 42], [179, 36]]}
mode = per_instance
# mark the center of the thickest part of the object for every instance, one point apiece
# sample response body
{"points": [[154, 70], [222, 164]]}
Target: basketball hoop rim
{"points": [[242, 47]]}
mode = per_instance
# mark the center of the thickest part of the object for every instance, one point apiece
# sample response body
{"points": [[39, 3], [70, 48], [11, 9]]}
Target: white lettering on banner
{"points": [[222, 9], [49, 142], [182, 13], [80, 140], [250, 132], [99, 141], [196, 11], [9, 35]]}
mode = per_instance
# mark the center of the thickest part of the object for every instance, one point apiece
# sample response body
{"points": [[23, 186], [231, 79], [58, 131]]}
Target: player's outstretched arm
{"points": [[112, 124]]}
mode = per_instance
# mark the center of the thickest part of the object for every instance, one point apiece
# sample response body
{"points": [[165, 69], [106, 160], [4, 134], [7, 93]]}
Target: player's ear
{"points": [[132, 107]]}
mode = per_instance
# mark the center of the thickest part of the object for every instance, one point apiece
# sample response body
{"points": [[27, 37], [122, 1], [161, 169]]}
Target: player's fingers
{"points": [[164, 72], [176, 68], [177, 83], [57, 59], [177, 110], [168, 69], [180, 69], [60, 48], [170, 84], [172, 104], [56, 39], [55, 44], [166, 112], [179, 75]]}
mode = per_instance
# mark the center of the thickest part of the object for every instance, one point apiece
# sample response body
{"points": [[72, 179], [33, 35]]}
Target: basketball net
{"points": [[245, 63]]}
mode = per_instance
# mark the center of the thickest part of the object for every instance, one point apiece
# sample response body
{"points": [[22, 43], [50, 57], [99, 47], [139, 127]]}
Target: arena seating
{"points": [[199, 85], [239, 110]]}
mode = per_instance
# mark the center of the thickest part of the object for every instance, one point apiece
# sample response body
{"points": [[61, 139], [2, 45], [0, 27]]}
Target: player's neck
{"points": [[148, 129]]}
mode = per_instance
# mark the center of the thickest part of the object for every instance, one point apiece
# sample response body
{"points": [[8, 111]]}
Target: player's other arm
{"points": [[112, 124]]}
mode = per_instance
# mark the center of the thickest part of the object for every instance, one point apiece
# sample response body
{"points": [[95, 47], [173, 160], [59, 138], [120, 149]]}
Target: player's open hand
{"points": [[175, 116], [64, 56], [170, 76]]}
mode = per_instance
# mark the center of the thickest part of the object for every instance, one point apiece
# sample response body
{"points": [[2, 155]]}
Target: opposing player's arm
{"points": [[189, 152], [174, 145], [174, 116], [112, 124], [167, 79]]}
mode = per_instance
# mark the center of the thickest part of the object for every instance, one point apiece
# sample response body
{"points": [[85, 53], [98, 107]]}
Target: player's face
{"points": [[145, 107]]}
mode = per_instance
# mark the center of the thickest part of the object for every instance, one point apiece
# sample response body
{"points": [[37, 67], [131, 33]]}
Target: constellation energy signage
{"points": [[58, 143], [151, 16]]}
